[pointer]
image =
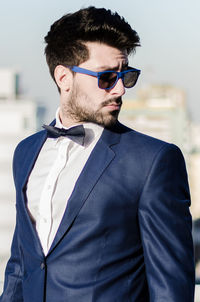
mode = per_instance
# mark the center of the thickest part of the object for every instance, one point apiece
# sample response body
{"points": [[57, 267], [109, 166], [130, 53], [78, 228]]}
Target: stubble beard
{"points": [[79, 113]]}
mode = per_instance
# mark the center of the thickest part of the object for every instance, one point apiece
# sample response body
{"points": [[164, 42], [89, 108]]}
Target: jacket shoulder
{"points": [[26, 148], [140, 140], [142, 148], [28, 141]]}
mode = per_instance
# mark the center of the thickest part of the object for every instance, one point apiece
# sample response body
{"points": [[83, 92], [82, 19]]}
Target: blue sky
{"points": [[169, 32]]}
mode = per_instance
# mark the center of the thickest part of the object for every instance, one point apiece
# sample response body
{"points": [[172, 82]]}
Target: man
{"points": [[103, 212]]}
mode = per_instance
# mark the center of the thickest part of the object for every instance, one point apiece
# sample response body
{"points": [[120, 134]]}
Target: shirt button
{"points": [[42, 266]]}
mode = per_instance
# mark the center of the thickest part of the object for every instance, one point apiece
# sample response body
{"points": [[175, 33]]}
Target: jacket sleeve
{"points": [[12, 284], [165, 225]]}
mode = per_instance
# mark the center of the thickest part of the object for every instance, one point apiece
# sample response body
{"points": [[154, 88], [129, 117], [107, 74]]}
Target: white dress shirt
{"points": [[53, 178]]}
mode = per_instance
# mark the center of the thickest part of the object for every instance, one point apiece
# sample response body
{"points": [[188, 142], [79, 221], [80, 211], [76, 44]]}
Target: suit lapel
{"points": [[30, 154], [99, 159]]}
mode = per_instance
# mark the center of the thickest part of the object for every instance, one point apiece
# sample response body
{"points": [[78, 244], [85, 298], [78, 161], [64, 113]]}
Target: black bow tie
{"points": [[76, 133]]}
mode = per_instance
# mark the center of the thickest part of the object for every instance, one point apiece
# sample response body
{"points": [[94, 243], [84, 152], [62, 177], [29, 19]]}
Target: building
{"points": [[159, 111], [194, 169]]}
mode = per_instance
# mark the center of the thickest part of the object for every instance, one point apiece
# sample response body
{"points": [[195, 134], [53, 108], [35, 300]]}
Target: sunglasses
{"points": [[108, 79]]}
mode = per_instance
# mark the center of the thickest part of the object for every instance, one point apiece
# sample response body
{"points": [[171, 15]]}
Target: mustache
{"points": [[117, 101]]}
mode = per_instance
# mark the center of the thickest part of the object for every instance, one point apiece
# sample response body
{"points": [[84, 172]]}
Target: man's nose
{"points": [[119, 88]]}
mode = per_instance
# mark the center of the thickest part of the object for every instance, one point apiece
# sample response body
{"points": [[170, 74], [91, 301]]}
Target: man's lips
{"points": [[113, 106]]}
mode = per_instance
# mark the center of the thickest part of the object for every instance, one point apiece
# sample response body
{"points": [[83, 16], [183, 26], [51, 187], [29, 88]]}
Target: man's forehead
{"points": [[103, 56]]}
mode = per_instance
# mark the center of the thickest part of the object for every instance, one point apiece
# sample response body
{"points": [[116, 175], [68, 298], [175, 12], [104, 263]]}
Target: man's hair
{"points": [[68, 35]]}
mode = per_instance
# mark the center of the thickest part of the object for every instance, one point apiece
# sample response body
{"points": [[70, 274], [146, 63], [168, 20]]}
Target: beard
{"points": [[83, 112]]}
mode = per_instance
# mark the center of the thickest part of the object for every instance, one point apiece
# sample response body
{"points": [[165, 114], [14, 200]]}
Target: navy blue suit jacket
{"points": [[125, 235]]}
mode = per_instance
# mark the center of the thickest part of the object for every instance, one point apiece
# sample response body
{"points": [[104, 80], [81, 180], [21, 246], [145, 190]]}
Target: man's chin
{"points": [[111, 119], [105, 119]]}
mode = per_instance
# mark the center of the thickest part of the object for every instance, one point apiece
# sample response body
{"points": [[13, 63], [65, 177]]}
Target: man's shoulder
{"points": [[29, 141], [31, 138], [133, 142], [133, 136]]}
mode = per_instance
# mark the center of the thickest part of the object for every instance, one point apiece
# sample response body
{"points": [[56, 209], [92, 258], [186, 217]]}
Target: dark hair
{"points": [[68, 35]]}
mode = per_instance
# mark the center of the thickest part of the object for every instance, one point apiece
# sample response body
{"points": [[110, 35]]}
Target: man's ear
{"points": [[63, 77]]}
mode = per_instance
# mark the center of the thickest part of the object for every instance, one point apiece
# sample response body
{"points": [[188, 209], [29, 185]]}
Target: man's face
{"points": [[87, 102]]}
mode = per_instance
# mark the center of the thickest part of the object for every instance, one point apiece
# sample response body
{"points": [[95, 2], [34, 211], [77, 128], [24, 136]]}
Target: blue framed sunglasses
{"points": [[108, 79]]}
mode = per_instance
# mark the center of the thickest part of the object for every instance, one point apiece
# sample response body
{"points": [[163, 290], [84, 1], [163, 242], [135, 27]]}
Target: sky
{"points": [[169, 52]]}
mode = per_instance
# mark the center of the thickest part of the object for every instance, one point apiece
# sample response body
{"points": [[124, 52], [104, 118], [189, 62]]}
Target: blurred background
{"points": [[164, 104]]}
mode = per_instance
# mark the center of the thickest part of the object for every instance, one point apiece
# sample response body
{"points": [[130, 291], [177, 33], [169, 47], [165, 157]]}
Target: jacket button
{"points": [[42, 266]]}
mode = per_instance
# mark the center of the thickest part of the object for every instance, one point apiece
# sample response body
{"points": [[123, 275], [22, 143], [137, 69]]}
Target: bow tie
{"points": [[76, 133]]}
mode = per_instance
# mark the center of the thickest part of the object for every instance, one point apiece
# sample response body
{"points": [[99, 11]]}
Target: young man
{"points": [[102, 210]]}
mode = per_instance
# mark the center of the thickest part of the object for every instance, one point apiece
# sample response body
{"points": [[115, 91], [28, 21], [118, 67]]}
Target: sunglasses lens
{"points": [[107, 80], [130, 79]]}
